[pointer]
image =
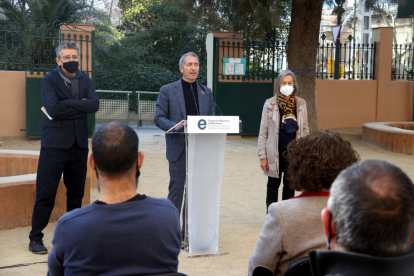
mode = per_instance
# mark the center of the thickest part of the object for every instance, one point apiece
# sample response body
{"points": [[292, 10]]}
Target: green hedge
{"points": [[136, 77]]}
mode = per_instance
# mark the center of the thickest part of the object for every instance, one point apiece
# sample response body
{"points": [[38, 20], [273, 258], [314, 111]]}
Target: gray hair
{"points": [[182, 59], [372, 207], [66, 45], [283, 74]]}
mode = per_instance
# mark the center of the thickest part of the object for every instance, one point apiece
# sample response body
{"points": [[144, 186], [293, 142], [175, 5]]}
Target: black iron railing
{"points": [[402, 67], [34, 51], [40, 50], [84, 42], [263, 61], [12, 50], [356, 61]]}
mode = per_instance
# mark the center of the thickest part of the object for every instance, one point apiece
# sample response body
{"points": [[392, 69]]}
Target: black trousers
{"points": [[274, 183], [52, 163], [176, 187]]}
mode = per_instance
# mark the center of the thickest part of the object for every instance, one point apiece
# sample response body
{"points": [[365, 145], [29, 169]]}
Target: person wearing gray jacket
{"points": [[293, 226], [176, 101], [284, 118]]}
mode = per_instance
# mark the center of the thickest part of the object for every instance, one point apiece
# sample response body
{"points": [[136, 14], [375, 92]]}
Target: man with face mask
{"points": [[122, 233], [67, 95]]}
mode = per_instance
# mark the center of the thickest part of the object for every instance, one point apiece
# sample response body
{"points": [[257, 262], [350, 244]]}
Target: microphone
{"points": [[210, 98], [191, 86]]}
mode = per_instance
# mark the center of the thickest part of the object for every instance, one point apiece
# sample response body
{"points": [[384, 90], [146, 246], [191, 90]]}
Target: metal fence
{"points": [[263, 60], [113, 109], [146, 107], [403, 62], [356, 61], [34, 50], [12, 49], [118, 109]]}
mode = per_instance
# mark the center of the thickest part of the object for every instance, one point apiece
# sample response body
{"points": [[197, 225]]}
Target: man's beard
{"points": [[137, 174]]}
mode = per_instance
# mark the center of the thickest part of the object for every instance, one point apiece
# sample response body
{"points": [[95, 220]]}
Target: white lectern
{"points": [[205, 145]]}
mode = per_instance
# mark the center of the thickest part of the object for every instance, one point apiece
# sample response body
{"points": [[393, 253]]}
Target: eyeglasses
{"points": [[69, 58]]}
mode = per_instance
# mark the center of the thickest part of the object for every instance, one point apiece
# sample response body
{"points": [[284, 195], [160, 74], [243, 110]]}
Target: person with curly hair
{"points": [[293, 226], [284, 118]]}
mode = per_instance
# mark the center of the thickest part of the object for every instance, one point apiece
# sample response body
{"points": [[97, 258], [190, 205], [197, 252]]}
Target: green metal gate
{"points": [[34, 53], [245, 95]]}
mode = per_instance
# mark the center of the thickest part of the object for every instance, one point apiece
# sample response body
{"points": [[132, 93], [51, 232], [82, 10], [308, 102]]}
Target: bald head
{"points": [[115, 149], [372, 206]]}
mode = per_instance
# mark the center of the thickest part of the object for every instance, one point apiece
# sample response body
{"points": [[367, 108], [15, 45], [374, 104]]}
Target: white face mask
{"points": [[286, 90]]}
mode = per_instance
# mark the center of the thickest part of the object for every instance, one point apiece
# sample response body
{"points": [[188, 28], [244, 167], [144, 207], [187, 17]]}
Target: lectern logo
{"points": [[202, 124]]}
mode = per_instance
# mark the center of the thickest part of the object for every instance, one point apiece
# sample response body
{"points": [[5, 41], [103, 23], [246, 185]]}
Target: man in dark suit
{"points": [[67, 95], [175, 102]]}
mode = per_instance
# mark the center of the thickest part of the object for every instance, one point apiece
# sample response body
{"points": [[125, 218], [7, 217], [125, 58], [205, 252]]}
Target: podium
{"points": [[205, 145]]}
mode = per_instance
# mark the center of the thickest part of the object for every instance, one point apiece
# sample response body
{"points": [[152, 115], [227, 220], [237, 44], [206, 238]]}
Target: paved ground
{"points": [[242, 204]]}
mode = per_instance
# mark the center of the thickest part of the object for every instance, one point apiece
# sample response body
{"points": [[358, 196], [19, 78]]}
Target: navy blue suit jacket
{"points": [[170, 110], [69, 114]]}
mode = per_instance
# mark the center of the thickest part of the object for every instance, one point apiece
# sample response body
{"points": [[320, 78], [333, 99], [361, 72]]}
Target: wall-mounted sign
{"points": [[234, 66]]}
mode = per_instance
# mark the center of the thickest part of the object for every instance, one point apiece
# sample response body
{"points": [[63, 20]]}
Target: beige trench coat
{"points": [[269, 131], [292, 227]]}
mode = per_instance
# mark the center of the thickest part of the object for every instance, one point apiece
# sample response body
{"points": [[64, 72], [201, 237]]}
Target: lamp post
{"points": [[340, 11]]}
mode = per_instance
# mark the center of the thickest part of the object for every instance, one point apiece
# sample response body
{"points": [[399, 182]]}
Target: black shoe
{"points": [[37, 247]]}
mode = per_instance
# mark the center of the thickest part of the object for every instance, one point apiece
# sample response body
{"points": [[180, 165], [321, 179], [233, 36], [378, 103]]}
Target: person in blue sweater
{"points": [[122, 233]]}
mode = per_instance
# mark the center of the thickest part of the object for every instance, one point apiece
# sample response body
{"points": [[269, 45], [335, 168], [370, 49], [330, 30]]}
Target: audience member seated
{"points": [[369, 223], [293, 226], [122, 233]]}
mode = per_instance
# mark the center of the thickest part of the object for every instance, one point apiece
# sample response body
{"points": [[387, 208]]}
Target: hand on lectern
{"points": [[180, 126]]}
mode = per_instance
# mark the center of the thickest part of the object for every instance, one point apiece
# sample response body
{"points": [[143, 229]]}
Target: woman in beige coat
{"points": [[284, 118], [294, 226]]}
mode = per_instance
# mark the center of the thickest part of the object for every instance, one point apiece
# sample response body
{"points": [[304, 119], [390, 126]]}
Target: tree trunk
{"points": [[110, 12], [394, 35], [302, 49]]}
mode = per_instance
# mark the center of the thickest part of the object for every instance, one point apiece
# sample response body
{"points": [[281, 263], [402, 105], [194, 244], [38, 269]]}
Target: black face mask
{"points": [[71, 66]]}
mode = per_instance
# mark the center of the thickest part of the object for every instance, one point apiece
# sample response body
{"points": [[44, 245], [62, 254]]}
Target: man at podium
{"points": [[176, 101]]}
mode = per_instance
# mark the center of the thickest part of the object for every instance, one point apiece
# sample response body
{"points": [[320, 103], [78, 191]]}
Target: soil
{"points": [[242, 213]]}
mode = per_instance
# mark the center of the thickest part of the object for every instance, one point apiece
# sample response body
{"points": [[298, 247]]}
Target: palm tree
{"points": [[47, 14]]}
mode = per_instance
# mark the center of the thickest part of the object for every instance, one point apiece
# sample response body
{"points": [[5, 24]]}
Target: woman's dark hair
{"points": [[317, 159]]}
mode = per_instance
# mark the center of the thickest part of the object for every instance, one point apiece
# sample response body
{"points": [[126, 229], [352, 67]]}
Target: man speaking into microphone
{"points": [[175, 102]]}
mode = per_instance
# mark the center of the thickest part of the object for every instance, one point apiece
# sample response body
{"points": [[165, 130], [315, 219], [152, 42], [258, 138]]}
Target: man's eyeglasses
{"points": [[69, 58]]}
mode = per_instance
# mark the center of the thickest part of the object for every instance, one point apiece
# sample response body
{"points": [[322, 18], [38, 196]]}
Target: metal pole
{"points": [[186, 234], [273, 59], [138, 96], [128, 110], [337, 52]]}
